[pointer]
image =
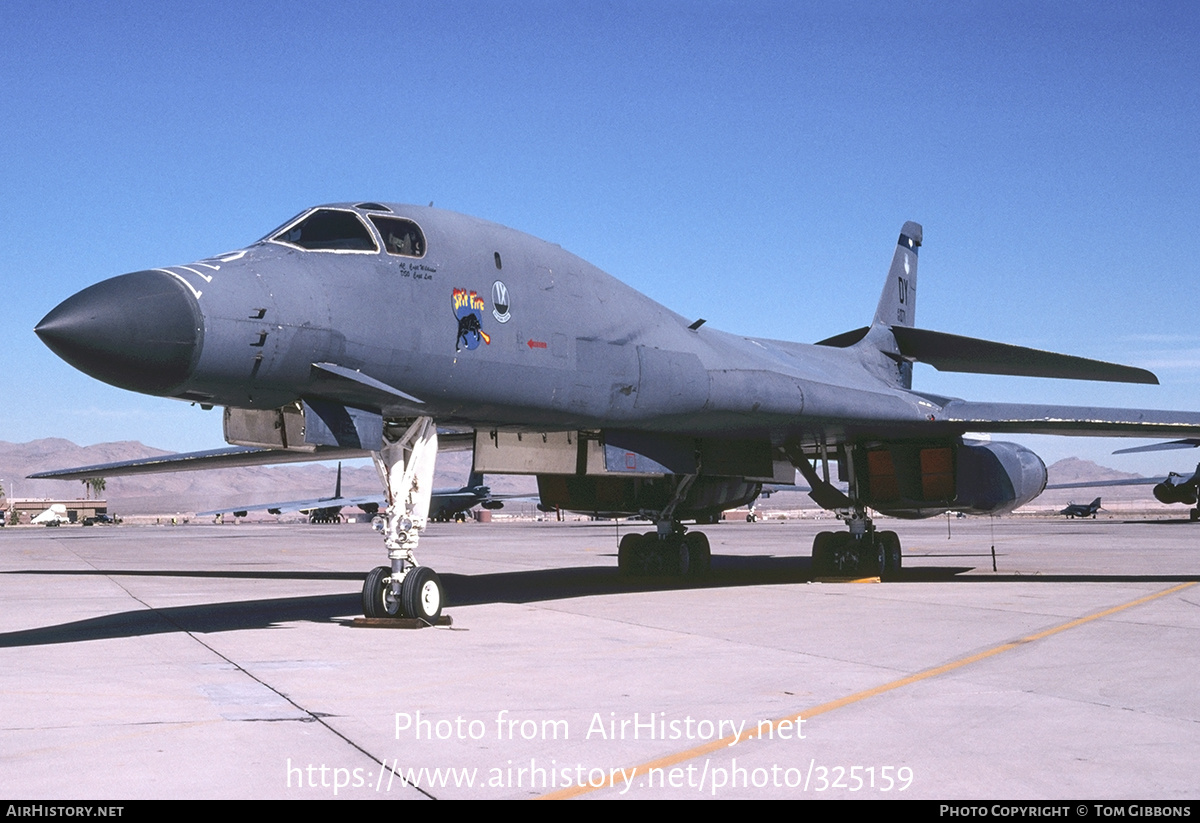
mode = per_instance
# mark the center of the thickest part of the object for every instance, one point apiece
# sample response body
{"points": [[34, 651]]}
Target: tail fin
{"points": [[897, 307], [898, 303], [337, 490], [475, 480]]}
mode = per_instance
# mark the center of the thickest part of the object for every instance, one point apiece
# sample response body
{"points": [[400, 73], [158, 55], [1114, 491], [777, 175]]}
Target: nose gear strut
{"points": [[405, 589]]}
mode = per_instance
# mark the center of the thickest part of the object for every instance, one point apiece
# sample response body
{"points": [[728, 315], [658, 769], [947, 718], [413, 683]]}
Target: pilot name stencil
{"points": [[417, 271]]}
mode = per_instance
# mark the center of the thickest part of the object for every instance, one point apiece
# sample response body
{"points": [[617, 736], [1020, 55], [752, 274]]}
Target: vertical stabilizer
{"points": [[898, 303], [337, 490], [475, 480], [897, 307]]}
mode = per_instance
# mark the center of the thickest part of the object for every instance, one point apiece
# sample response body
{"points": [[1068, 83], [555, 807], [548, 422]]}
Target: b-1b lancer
{"points": [[364, 327]]}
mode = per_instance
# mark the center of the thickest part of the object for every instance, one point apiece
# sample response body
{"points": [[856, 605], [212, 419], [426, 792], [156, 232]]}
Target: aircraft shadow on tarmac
{"points": [[470, 590]]}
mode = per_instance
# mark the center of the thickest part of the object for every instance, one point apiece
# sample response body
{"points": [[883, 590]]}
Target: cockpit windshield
{"points": [[400, 236], [328, 230]]}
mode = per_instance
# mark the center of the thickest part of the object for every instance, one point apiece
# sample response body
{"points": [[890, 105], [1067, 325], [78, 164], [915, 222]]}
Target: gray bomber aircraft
{"points": [[360, 328], [319, 510]]}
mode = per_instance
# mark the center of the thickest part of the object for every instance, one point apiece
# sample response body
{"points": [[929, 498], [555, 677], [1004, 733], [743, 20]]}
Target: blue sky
{"points": [[749, 163]]}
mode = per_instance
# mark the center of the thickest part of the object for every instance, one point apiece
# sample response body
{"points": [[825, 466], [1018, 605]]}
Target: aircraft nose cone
{"points": [[139, 331]]}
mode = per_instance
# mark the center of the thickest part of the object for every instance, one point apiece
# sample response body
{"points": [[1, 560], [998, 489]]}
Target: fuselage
{"points": [[485, 325], [350, 317]]}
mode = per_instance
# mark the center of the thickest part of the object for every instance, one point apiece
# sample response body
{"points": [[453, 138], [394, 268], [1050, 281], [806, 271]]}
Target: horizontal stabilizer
{"points": [[1023, 418], [952, 352], [1190, 443]]}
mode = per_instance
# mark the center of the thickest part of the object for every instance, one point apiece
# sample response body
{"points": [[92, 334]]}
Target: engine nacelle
{"points": [[621, 496], [1172, 493], [923, 480]]}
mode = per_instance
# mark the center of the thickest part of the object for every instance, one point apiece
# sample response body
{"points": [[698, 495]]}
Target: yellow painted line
{"points": [[717, 745]]}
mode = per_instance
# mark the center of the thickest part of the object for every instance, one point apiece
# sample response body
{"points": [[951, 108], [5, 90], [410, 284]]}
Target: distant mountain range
{"points": [[1074, 470], [1116, 498]]}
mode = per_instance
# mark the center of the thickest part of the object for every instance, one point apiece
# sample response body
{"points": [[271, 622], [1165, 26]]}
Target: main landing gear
{"points": [[860, 552], [675, 555], [671, 551], [841, 554], [406, 589]]}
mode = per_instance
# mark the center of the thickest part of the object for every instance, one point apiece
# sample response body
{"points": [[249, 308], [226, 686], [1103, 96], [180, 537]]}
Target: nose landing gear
{"points": [[406, 589]]}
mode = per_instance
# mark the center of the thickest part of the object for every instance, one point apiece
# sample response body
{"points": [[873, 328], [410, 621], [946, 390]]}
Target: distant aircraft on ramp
{"points": [[320, 510], [1174, 488], [445, 504], [1082, 510]]}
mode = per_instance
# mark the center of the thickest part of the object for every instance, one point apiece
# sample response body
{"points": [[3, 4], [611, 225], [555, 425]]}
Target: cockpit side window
{"points": [[400, 236], [329, 230]]}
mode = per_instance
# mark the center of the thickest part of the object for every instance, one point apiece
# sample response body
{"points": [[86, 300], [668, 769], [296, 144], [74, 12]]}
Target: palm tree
{"points": [[94, 485]]}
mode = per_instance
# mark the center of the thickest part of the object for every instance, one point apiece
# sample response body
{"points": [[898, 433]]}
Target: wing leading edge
{"points": [[1026, 418], [229, 458]]}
